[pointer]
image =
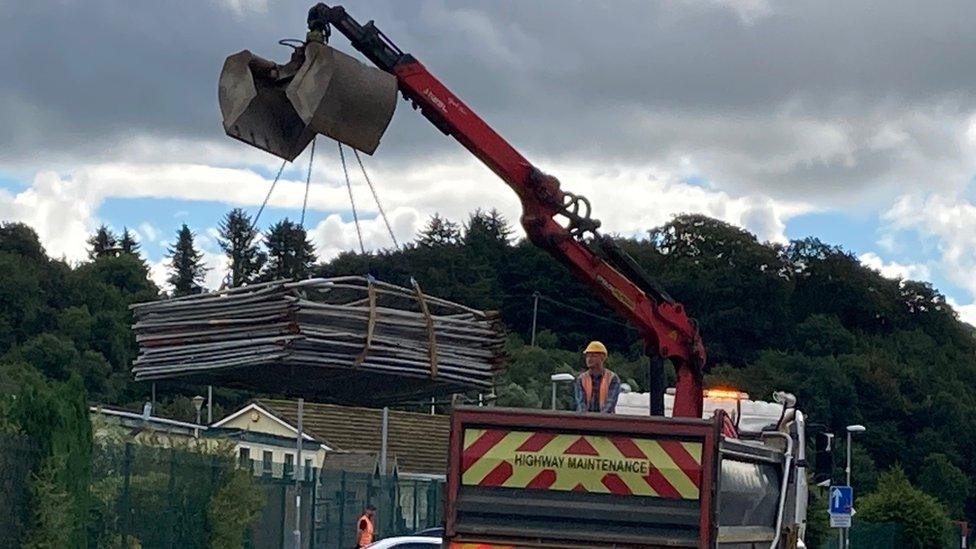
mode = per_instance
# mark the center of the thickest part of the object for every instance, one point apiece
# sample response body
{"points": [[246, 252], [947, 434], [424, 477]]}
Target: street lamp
{"points": [[556, 378], [198, 404], [851, 429]]}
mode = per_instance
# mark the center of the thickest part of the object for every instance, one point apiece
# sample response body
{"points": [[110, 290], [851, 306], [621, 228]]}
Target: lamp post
{"points": [[851, 429], [535, 314], [198, 404], [556, 378]]}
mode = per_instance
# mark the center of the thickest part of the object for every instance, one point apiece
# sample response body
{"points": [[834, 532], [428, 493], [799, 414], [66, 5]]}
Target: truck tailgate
{"points": [[557, 479]]}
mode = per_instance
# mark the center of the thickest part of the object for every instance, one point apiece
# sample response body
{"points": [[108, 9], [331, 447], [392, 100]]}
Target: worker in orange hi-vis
{"points": [[597, 388], [364, 527]]}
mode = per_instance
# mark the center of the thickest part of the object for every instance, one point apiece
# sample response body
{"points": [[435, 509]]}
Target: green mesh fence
{"points": [[885, 535], [150, 497], [402, 506], [18, 456], [867, 535]]}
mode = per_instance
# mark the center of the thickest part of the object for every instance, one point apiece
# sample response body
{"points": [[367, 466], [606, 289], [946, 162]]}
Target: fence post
{"points": [[283, 486], [342, 509], [416, 510], [170, 506], [395, 514], [431, 503], [125, 511], [312, 507]]}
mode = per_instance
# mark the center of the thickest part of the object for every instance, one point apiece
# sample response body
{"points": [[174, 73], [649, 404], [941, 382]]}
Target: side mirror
{"points": [[825, 458]]}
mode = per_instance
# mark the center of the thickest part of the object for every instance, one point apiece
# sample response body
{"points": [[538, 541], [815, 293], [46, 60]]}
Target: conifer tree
{"points": [[290, 253], [238, 240], [187, 270], [102, 243]]}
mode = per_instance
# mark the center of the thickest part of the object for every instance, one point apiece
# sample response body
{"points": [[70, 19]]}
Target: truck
{"points": [[520, 478], [699, 469]]}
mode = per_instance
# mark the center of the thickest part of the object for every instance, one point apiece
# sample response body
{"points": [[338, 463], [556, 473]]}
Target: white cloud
{"points": [[967, 313], [241, 7], [628, 199], [895, 270], [333, 236], [60, 212], [948, 219], [148, 231], [158, 271], [748, 11]]}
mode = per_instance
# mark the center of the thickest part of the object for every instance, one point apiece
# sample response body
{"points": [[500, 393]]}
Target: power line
{"points": [[584, 311]]}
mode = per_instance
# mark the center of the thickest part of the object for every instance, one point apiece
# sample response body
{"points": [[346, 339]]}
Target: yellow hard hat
{"points": [[596, 347]]}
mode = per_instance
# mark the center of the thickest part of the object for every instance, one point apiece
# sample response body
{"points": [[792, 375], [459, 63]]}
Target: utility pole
{"points": [[209, 404], [298, 479], [851, 429], [535, 313], [384, 433]]}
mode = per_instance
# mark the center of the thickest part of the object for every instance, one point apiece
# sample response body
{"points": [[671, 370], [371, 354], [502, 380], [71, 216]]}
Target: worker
{"points": [[597, 388], [364, 526]]}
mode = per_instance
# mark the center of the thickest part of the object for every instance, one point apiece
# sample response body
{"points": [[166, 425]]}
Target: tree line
{"points": [[283, 251], [805, 317]]}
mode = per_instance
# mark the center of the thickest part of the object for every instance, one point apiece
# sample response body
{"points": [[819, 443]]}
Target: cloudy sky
{"points": [[851, 121]]}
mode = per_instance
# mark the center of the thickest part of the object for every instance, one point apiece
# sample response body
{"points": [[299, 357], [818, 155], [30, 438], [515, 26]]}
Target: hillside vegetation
{"points": [[806, 317]]}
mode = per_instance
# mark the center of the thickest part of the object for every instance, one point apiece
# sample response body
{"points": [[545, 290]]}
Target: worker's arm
{"points": [[613, 392], [579, 397], [555, 220]]}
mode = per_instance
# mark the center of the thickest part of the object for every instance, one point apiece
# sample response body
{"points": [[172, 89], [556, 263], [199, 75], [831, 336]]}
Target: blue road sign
{"points": [[841, 499]]}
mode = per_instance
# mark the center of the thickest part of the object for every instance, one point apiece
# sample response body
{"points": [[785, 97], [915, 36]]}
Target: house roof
{"points": [[357, 462], [418, 442]]}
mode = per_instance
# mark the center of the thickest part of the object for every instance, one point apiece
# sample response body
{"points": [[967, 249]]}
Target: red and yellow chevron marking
{"points": [[621, 465]]}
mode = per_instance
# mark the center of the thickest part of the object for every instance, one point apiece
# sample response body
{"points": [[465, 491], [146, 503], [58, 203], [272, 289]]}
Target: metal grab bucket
{"points": [[279, 108]]}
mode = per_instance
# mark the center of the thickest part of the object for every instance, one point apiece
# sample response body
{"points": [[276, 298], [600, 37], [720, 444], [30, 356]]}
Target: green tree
{"points": [[75, 324], [233, 508], [822, 335], [55, 415], [128, 242], [20, 240], [187, 270], [946, 482], [439, 232], [290, 252], [738, 289], [486, 231], [238, 240], [104, 242], [922, 516]]}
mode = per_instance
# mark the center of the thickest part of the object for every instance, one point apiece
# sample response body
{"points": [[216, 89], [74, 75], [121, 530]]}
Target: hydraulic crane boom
{"points": [[667, 330], [665, 327]]}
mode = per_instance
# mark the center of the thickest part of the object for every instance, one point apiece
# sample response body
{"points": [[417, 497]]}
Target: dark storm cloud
{"points": [[796, 100]]}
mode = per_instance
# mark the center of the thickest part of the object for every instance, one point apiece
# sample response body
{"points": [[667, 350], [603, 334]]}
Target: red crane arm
{"points": [[664, 325]]}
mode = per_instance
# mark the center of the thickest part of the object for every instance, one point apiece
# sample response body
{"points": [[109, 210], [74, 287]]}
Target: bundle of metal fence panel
{"points": [[345, 339]]}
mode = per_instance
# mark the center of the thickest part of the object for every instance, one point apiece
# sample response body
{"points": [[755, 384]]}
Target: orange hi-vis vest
{"points": [[587, 382], [365, 534]]}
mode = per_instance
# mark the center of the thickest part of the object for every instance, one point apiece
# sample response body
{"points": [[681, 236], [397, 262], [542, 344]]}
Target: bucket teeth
{"points": [[331, 94]]}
